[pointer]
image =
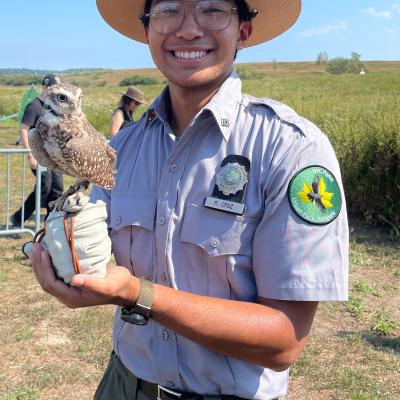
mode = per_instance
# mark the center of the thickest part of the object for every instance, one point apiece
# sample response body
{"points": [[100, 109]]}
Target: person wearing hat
{"points": [[228, 218], [128, 103], [52, 183]]}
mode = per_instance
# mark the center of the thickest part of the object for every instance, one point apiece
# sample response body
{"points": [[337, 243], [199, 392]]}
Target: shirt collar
{"points": [[223, 105]]}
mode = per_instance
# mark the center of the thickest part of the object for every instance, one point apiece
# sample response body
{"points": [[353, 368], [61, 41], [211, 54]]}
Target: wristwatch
{"points": [[139, 314]]}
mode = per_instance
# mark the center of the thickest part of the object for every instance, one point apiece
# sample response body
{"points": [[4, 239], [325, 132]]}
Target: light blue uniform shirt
{"points": [[161, 230]]}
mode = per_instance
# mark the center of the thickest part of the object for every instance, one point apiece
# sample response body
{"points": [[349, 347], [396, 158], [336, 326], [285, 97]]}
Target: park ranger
{"points": [[228, 218]]}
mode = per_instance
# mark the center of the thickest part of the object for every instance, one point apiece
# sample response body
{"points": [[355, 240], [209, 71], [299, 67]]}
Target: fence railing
{"points": [[10, 205]]}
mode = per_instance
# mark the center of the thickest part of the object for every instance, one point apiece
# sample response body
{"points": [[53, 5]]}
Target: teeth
{"points": [[189, 55]]}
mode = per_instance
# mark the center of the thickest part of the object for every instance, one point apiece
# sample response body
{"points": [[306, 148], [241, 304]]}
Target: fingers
{"points": [[117, 287], [44, 273], [91, 283]]}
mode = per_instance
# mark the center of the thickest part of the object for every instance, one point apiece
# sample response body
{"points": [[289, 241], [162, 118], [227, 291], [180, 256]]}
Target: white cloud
{"points": [[396, 7], [389, 30], [380, 14], [324, 29]]}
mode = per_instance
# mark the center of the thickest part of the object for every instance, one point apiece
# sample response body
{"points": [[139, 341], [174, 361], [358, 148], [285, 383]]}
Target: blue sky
{"points": [[56, 35]]}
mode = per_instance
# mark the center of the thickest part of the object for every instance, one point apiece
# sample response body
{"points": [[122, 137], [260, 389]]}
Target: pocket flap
{"points": [[217, 232], [132, 208]]}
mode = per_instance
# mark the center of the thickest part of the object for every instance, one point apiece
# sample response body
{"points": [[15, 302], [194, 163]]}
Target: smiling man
{"points": [[228, 219]]}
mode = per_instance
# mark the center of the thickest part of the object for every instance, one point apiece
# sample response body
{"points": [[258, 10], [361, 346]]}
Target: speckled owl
{"points": [[65, 141]]}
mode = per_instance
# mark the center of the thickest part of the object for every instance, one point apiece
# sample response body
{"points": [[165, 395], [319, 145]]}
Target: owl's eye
{"points": [[61, 97]]}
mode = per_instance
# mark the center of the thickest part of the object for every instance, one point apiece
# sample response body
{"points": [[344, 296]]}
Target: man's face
{"points": [[193, 56]]}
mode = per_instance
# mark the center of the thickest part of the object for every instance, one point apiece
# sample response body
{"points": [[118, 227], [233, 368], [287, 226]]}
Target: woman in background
{"points": [[131, 99]]}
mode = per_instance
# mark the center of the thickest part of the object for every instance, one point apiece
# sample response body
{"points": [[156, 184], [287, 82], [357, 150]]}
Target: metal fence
{"points": [[9, 229]]}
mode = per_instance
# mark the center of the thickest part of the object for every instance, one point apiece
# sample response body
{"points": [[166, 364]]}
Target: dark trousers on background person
{"points": [[52, 187]]}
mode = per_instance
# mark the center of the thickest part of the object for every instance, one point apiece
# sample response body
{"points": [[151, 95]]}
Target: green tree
{"points": [[341, 65], [322, 58]]}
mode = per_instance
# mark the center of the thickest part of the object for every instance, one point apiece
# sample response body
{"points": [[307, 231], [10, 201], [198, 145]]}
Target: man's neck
{"points": [[186, 103]]}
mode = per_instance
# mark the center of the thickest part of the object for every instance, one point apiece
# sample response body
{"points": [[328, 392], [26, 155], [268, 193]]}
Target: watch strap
{"points": [[139, 314], [145, 298]]}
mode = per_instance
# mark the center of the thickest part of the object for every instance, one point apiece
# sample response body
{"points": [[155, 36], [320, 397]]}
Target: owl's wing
{"points": [[38, 150], [91, 157]]}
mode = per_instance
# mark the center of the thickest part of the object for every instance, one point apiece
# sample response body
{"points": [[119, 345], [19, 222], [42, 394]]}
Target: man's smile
{"points": [[190, 55]]}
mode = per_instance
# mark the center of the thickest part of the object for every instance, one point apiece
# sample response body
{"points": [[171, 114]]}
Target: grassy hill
{"points": [[359, 114]]}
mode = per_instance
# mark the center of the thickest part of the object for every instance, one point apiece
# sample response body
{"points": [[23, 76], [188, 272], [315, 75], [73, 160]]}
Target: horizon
{"points": [[72, 69], [38, 39]]}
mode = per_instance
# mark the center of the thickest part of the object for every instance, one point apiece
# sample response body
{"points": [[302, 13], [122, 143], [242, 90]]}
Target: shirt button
{"points": [[165, 335], [173, 168], [214, 243], [161, 221], [163, 276], [118, 220]]}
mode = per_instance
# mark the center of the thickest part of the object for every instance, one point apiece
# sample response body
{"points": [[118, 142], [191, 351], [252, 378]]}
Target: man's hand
{"points": [[118, 287], [24, 138], [32, 161]]}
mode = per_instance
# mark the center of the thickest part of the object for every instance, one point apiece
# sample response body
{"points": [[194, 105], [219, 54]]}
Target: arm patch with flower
{"points": [[315, 195]]}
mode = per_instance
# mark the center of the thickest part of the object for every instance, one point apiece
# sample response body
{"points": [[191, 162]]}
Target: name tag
{"points": [[224, 205], [230, 185]]}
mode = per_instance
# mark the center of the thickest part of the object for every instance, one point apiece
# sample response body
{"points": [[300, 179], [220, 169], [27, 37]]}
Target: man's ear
{"points": [[246, 28], [146, 32]]}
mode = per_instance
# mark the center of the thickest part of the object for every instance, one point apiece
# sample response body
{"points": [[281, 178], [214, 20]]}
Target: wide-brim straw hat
{"points": [[274, 17], [134, 94]]}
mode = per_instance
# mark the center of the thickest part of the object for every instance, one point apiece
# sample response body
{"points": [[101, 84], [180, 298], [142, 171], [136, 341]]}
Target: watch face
{"points": [[133, 317]]}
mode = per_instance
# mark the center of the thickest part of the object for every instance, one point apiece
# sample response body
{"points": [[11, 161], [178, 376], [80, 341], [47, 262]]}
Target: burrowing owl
{"points": [[65, 141]]}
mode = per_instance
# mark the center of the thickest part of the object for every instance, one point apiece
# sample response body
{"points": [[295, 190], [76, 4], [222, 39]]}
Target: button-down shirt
{"points": [[161, 230]]}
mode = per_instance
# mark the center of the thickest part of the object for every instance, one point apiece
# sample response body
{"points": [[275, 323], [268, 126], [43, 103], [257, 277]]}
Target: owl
{"points": [[64, 140]]}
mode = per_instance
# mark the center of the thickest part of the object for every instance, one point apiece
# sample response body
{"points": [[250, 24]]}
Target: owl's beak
{"points": [[47, 107]]}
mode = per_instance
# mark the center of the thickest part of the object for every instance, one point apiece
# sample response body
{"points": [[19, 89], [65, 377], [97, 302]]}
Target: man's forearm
{"points": [[23, 134], [251, 332]]}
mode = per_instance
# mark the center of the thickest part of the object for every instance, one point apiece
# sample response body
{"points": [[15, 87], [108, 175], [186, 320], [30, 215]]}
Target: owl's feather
{"points": [[66, 142]]}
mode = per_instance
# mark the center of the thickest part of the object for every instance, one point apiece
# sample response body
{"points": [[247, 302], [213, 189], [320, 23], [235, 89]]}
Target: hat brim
{"points": [[133, 98], [274, 18]]}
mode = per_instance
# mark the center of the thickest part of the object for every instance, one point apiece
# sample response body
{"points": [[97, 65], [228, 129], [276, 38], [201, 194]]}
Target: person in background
{"points": [[52, 184], [128, 103], [228, 218]]}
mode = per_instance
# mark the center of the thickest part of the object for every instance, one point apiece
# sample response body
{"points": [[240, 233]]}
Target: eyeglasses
{"points": [[167, 16]]}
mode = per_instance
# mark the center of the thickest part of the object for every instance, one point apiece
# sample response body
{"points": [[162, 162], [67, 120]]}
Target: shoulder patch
{"points": [[314, 195]]}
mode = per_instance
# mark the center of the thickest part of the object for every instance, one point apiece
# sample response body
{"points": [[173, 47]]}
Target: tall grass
{"points": [[359, 114], [361, 117]]}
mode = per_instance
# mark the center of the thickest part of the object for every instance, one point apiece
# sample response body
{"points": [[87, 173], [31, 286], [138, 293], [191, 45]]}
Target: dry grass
{"points": [[50, 352]]}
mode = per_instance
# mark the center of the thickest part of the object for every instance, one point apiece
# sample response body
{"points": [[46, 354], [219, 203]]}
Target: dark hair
{"points": [[125, 101], [244, 13]]}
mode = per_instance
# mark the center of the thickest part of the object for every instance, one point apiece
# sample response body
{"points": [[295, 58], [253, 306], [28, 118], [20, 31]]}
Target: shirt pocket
{"points": [[132, 230], [217, 232], [222, 246]]}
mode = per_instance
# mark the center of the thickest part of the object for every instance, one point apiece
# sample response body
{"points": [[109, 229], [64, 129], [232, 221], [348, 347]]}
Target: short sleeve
{"points": [[294, 259], [30, 115]]}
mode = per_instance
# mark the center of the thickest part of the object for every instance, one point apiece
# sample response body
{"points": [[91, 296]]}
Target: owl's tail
{"points": [[106, 182]]}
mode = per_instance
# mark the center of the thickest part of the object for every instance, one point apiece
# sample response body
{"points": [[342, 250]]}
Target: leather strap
{"points": [[69, 234]]}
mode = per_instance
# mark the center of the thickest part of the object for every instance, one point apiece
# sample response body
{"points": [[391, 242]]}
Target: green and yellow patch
{"points": [[315, 196]]}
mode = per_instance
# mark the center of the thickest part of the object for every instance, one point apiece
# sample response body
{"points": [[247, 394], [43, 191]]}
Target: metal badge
{"points": [[231, 182], [231, 178]]}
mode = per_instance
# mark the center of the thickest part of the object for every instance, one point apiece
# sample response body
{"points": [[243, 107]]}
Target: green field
{"points": [[359, 114], [50, 352]]}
